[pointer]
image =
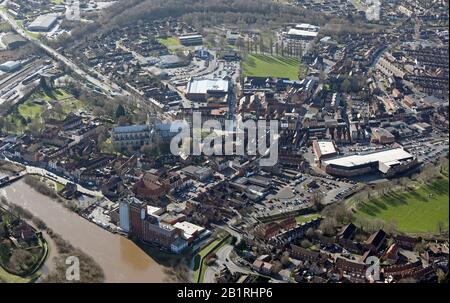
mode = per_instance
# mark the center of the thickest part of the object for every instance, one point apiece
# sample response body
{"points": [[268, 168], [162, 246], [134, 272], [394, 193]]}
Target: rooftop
{"points": [[204, 86], [385, 156], [44, 21], [131, 129], [326, 147], [299, 32], [189, 228]]}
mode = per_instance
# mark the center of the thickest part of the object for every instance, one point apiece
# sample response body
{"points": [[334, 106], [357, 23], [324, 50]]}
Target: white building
{"points": [[124, 216], [43, 23]]}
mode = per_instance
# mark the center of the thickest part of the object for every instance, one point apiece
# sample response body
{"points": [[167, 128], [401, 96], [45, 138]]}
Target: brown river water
{"points": [[120, 258]]}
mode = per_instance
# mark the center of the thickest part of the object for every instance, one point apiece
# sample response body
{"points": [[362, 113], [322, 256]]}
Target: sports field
{"points": [[420, 211], [272, 66]]}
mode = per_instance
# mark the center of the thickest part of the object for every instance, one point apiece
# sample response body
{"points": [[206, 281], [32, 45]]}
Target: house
{"points": [[391, 255], [376, 241], [351, 268], [347, 232], [262, 267], [405, 242], [304, 254]]}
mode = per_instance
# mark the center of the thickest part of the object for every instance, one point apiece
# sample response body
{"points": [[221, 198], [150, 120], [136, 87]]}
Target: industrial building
{"points": [[171, 61], [189, 40], [43, 23], [203, 89], [324, 149], [232, 37], [303, 31], [13, 41], [10, 66], [387, 162]]}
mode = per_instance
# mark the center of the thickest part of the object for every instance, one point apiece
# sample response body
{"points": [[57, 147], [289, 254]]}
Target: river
{"points": [[121, 259]]}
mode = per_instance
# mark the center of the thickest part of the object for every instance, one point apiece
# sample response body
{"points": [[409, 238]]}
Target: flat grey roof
{"points": [[44, 21]]}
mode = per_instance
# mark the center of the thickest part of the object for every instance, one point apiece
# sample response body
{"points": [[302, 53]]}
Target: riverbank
{"points": [[121, 259]]}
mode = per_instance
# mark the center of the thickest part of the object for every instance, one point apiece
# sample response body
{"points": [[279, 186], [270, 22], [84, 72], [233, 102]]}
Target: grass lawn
{"points": [[9, 278], [171, 43], [32, 108], [306, 218], [414, 212], [205, 267], [202, 254], [199, 257], [272, 66]]}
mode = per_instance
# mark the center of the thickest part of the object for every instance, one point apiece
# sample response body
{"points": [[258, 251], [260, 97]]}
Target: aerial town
{"points": [[121, 141]]}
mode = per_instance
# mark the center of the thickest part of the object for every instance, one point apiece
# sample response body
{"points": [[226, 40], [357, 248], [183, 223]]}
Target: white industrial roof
{"points": [[152, 210], [189, 228], [194, 36], [307, 26], [326, 147], [299, 32], [388, 157], [207, 85]]}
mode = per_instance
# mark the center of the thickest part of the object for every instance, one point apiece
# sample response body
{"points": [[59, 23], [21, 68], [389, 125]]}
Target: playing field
{"points": [[419, 211], [272, 66], [170, 41]]}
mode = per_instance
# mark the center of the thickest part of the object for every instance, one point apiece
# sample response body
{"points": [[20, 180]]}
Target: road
{"points": [[32, 170], [223, 258]]}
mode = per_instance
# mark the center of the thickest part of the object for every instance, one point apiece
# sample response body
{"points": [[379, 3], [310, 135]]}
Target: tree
{"points": [[440, 227], [21, 260], [285, 260], [310, 233], [345, 86], [276, 267], [317, 199], [327, 226], [240, 43], [271, 45], [120, 111], [305, 243]]}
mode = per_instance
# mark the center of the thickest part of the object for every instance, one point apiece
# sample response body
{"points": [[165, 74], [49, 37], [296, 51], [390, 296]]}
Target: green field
{"points": [[273, 66], [419, 211], [171, 43], [33, 107], [306, 218]]}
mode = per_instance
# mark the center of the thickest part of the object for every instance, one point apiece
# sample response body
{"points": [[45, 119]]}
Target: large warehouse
{"points": [[13, 41], [303, 31], [189, 40], [387, 162], [43, 23], [203, 89]]}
